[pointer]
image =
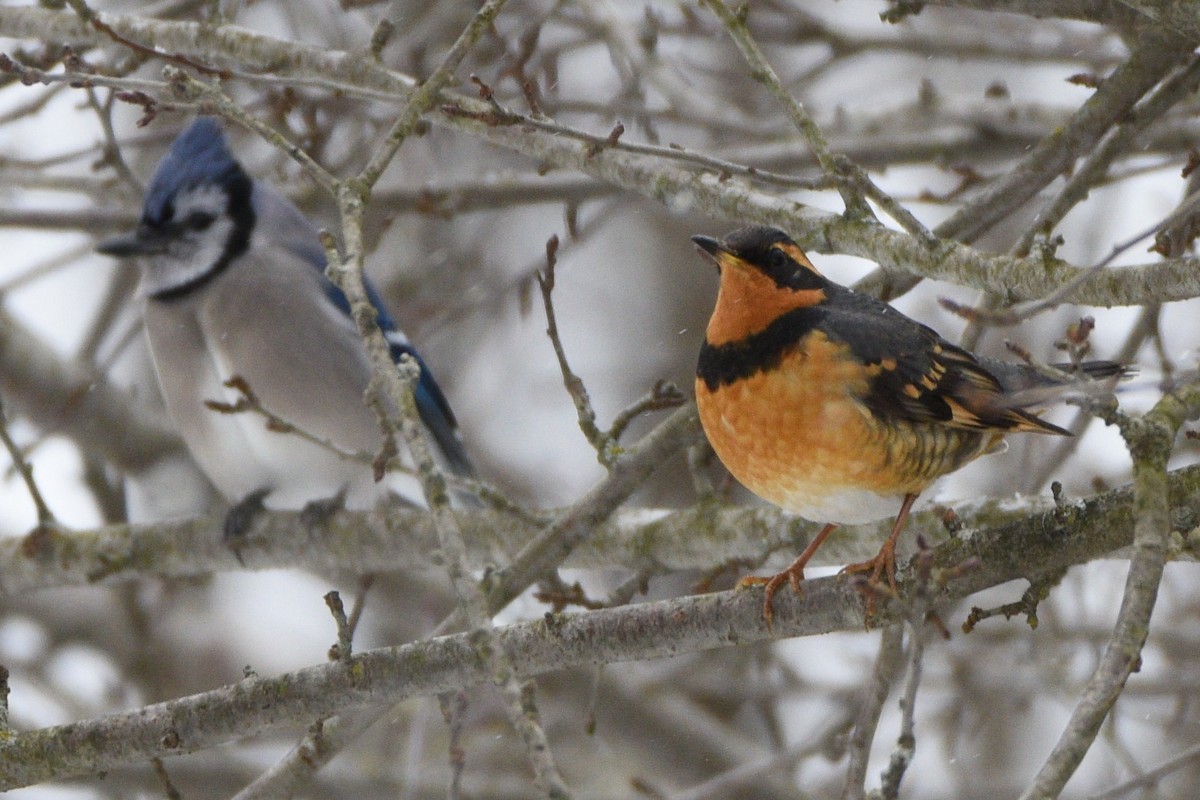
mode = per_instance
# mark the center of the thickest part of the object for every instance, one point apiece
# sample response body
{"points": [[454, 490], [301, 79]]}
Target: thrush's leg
{"points": [[793, 574], [885, 559]]}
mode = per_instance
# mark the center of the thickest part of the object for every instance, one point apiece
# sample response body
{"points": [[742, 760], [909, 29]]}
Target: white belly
{"points": [[237, 452], [843, 506], [241, 455]]}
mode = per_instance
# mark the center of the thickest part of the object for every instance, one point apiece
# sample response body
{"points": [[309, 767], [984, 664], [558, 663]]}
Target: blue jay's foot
{"points": [[318, 512], [241, 517]]}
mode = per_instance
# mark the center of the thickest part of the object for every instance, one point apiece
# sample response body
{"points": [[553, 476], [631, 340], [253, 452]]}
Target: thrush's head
{"points": [[764, 275]]}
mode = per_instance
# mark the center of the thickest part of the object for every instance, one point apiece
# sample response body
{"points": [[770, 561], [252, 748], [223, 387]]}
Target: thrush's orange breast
{"points": [[798, 436]]}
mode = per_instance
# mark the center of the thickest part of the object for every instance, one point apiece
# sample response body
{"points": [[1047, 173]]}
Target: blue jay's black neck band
{"points": [[240, 209]]}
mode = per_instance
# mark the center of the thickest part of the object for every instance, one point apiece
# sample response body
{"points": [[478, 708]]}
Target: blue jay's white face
{"points": [[191, 240], [197, 218]]}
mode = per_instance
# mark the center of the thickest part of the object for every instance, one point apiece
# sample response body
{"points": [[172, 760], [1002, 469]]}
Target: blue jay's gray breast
{"points": [[266, 320]]}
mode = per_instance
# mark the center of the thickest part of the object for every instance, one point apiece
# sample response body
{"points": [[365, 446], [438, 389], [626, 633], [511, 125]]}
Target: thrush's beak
{"points": [[718, 252], [142, 242], [711, 246]]}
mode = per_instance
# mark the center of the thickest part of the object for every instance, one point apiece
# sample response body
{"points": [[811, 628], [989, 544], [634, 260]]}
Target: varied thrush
{"points": [[837, 407]]}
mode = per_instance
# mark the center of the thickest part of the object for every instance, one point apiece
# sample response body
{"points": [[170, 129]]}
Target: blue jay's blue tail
{"points": [[234, 280]]}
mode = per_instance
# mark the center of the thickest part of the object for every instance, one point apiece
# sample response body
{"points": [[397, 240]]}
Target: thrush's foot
{"points": [[793, 574], [884, 563]]}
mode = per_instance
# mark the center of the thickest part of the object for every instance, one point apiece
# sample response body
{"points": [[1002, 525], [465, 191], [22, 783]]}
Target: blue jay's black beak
{"points": [[142, 242]]}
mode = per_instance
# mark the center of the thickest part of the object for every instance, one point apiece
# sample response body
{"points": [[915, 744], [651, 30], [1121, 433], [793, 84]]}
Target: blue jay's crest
{"points": [[197, 157]]}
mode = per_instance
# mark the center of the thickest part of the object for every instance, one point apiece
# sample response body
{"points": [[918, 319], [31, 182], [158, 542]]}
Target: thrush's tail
{"points": [[1025, 385]]}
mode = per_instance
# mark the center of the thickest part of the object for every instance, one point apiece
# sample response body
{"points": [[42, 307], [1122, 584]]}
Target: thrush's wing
{"points": [[918, 376]]}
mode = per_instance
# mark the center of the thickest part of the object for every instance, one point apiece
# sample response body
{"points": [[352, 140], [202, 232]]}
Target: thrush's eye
{"points": [[199, 220], [777, 259]]}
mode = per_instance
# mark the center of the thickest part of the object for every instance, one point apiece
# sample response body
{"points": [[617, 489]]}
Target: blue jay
{"points": [[234, 286]]}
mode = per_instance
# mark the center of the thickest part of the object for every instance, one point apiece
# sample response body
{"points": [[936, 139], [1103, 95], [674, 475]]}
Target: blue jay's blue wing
{"points": [[432, 404], [304, 243]]}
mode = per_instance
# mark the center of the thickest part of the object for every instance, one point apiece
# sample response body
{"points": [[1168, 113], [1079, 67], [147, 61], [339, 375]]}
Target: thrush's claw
{"points": [[884, 561], [792, 575]]}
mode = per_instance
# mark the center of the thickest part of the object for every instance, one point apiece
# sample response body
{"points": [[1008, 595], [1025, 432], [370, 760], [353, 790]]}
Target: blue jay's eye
{"points": [[199, 220]]}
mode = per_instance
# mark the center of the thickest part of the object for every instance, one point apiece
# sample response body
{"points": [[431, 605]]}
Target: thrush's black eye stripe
{"points": [[786, 273], [723, 364]]}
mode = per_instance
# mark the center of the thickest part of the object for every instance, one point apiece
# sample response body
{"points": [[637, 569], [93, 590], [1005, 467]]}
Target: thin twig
{"points": [[1151, 777], [4, 691], [906, 743], [454, 709], [852, 182], [599, 440], [169, 789], [1027, 605], [662, 395], [249, 402], [342, 651], [111, 152], [887, 667], [44, 515]]}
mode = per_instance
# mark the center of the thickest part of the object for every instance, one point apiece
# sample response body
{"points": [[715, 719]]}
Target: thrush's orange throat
{"points": [[749, 301]]}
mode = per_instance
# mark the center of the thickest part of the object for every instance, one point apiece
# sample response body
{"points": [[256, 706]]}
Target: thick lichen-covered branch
{"points": [[651, 630]]}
